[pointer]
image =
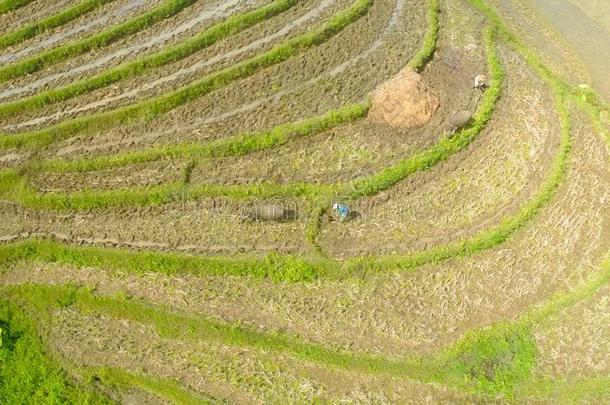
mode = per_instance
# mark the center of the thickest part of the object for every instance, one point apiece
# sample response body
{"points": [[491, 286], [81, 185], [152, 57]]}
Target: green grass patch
{"points": [[84, 200], [27, 374], [78, 47], [53, 21], [491, 361], [144, 64], [10, 5], [156, 106]]}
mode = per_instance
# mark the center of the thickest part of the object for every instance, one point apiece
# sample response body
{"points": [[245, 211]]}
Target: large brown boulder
{"points": [[404, 101]]}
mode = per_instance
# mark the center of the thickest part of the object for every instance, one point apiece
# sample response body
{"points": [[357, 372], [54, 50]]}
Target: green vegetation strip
{"points": [[10, 5], [426, 50], [168, 390], [56, 20], [274, 266], [141, 65], [234, 146], [21, 192], [75, 48], [156, 106]]}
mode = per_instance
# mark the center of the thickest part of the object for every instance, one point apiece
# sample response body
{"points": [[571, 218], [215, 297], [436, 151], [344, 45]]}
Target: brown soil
{"points": [[142, 174], [445, 203], [404, 101]]}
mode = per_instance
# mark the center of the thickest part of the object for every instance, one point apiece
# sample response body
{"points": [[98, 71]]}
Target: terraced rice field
{"points": [[138, 137]]}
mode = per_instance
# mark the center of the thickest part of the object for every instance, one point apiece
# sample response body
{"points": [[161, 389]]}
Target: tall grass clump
{"points": [[148, 109], [141, 65], [53, 21]]}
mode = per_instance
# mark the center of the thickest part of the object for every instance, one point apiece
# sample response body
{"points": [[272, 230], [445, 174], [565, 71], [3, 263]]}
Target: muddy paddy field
{"points": [[168, 170]]}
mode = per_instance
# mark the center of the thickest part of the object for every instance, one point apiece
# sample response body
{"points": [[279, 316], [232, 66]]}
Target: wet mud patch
{"points": [[91, 23]]}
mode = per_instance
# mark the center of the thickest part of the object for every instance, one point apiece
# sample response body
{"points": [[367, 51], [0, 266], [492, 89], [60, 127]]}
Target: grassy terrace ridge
{"points": [[428, 45], [78, 47], [171, 391], [10, 5], [273, 266], [234, 146], [141, 65], [461, 365], [153, 107], [53, 21]]}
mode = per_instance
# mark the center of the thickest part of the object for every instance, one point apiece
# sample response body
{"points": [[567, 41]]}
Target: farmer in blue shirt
{"points": [[341, 210]]}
